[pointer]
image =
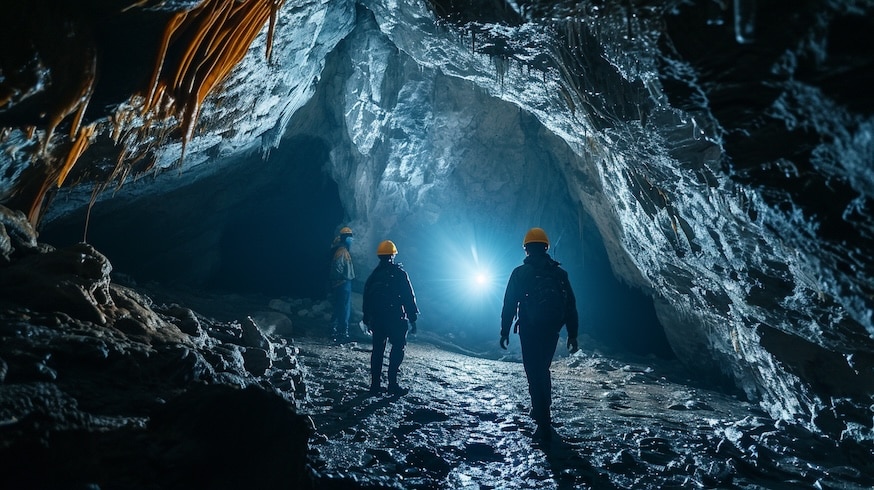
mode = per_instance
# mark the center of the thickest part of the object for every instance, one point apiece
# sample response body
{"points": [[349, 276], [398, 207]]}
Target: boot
{"points": [[375, 386], [396, 389]]}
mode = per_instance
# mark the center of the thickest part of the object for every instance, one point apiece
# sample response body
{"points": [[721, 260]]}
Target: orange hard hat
{"points": [[535, 235], [387, 247]]}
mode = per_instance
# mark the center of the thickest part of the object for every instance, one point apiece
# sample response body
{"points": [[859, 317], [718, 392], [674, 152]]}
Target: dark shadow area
{"points": [[620, 316], [571, 470], [253, 227], [279, 243]]}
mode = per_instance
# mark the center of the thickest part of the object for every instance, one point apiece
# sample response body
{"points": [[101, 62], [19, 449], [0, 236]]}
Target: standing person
{"points": [[340, 281], [540, 298], [389, 303]]}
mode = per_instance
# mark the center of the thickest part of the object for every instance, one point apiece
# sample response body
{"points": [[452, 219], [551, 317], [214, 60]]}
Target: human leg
{"points": [[340, 297], [398, 339], [537, 353], [342, 312], [376, 359]]}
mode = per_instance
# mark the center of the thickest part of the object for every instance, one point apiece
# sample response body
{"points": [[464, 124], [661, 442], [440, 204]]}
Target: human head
{"points": [[535, 241], [346, 236], [386, 250]]}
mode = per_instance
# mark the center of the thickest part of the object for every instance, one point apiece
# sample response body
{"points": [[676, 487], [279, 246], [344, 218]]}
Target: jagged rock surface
{"points": [[728, 173], [95, 377]]}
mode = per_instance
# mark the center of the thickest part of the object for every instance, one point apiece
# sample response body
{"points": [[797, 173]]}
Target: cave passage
{"points": [[620, 316], [261, 226], [279, 242]]}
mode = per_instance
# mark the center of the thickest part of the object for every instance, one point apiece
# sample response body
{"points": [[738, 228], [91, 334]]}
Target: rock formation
{"points": [[718, 152]]}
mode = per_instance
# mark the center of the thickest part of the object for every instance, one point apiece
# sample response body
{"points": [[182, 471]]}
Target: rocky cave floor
{"points": [[619, 423]]}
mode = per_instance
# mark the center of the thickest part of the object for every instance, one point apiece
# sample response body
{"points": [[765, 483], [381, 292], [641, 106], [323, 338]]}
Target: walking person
{"points": [[389, 305], [340, 278], [539, 297]]}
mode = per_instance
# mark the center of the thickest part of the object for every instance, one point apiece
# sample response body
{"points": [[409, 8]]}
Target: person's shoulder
{"points": [[520, 269], [562, 273]]}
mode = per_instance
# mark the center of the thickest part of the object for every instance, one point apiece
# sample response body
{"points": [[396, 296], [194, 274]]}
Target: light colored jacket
{"points": [[341, 267]]}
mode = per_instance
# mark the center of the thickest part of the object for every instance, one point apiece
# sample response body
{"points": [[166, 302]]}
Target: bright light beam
{"points": [[465, 279], [481, 281]]}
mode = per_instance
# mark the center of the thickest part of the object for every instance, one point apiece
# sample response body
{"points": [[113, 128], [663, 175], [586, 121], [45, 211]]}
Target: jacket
{"points": [[388, 295], [341, 267], [520, 285]]}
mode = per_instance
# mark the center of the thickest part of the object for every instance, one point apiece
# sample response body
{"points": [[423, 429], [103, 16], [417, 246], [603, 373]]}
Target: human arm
{"points": [[509, 309], [408, 300], [572, 318]]}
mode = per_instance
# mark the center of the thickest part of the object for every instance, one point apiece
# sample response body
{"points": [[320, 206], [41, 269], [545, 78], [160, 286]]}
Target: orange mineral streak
{"points": [[77, 102], [198, 50], [59, 175], [274, 8], [217, 35], [152, 96], [83, 140]]}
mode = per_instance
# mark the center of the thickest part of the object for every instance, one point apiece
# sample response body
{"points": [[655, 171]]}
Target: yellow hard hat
{"points": [[535, 235], [346, 230], [386, 247]]}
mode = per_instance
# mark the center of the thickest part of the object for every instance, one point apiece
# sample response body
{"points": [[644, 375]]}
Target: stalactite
{"points": [[81, 143], [274, 10], [221, 33], [77, 101], [197, 51]]}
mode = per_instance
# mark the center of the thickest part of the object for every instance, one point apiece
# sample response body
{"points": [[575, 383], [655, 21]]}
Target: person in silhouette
{"points": [[539, 297], [389, 305], [340, 278]]}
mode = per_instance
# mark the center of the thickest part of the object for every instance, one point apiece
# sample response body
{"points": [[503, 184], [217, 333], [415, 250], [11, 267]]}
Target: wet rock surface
{"points": [[97, 407], [618, 424]]}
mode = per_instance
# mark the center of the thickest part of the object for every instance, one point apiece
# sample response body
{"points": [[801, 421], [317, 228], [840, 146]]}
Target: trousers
{"points": [[396, 333], [538, 349], [341, 299]]}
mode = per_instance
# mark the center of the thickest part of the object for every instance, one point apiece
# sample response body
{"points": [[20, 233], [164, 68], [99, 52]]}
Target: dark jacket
{"points": [[521, 284], [388, 295]]}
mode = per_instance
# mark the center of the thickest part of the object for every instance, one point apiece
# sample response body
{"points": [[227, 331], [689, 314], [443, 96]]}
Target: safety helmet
{"points": [[345, 231], [386, 247], [535, 235]]}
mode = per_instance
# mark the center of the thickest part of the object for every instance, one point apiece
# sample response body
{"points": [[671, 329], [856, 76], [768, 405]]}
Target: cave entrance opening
{"points": [[254, 226], [278, 242]]}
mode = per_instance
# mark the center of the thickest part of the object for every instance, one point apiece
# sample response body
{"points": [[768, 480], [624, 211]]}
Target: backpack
{"points": [[545, 303], [382, 296]]}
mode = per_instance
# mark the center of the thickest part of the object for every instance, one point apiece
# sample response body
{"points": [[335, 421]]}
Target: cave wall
{"points": [[728, 174], [723, 259]]}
